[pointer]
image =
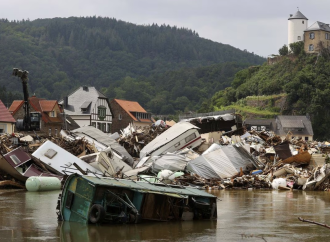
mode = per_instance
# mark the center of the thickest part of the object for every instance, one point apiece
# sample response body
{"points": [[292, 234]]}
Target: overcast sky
{"points": [[260, 26]]}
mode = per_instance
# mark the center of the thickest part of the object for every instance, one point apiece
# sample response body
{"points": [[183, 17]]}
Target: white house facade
{"points": [[87, 106]]}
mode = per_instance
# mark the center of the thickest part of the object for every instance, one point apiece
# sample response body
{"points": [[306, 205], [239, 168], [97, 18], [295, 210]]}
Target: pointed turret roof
{"points": [[297, 15]]}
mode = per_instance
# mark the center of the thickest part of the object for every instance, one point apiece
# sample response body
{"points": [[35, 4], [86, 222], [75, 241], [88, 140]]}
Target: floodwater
{"points": [[242, 216]]}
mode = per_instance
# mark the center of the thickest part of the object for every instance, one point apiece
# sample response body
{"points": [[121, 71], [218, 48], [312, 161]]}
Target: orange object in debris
{"points": [[301, 158]]}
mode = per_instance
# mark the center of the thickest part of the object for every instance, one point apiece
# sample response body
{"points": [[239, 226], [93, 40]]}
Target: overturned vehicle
{"points": [[91, 199]]}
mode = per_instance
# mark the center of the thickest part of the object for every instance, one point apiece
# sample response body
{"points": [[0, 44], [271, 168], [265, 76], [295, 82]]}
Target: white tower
{"points": [[297, 24]]}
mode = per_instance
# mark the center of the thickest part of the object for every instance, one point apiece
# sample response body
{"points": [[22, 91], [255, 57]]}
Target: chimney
{"points": [[66, 102]]}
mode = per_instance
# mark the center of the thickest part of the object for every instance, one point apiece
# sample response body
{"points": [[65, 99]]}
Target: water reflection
{"points": [[176, 231], [242, 216]]}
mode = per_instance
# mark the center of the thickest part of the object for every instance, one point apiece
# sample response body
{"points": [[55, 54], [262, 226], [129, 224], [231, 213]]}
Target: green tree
{"points": [[284, 50]]}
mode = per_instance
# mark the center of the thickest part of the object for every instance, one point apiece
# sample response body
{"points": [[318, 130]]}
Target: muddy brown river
{"points": [[242, 216]]}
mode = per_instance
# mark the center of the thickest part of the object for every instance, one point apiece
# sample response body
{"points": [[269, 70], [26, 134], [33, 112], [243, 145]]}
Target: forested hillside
{"points": [[304, 79], [64, 53]]}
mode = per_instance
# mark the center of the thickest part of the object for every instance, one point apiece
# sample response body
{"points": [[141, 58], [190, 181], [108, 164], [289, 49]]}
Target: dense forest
{"points": [[112, 55], [303, 78]]}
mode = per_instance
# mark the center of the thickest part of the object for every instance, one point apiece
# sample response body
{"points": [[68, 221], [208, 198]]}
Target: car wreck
{"points": [[98, 200]]}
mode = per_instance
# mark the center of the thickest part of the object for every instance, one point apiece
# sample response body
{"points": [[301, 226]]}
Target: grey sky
{"points": [[260, 26]]}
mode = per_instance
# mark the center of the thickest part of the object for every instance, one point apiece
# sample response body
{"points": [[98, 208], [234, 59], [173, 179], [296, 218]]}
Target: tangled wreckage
{"points": [[159, 172]]}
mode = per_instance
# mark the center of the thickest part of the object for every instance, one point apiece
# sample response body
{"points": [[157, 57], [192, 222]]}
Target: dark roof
{"points": [[318, 26], [298, 15], [5, 115], [69, 123], [293, 123], [259, 121]]}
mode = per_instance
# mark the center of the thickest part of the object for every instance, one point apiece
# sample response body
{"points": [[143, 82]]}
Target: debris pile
{"points": [[134, 140]]}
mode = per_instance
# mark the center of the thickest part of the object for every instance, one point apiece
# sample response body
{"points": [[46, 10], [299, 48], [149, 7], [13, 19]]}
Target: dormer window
{"points": [[311, 35], [52, 114]]}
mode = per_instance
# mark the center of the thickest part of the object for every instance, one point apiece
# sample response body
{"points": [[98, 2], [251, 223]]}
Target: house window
{"points": [[94, 124], [101, 111], [55, 132], [311, 47], [52, 114], [327, 36], [104, 127], [303, 22], [311, 35], [99, 126], [306, 138], [1, 131], [119, 117], [109, 128], [50, 132], [299, 38]]}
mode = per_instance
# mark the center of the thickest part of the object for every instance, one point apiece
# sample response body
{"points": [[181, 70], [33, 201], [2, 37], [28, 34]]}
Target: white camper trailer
{"points": [[61, 160], [179, 136]]}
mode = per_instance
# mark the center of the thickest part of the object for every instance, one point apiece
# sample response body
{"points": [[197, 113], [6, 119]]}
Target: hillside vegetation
{"points": [[304, 80], [64, 53]]}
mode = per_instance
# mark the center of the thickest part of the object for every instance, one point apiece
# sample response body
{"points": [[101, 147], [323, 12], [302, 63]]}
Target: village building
{"points": [[259, 124], [7, 121], [315, 37], [128, 112], [50, 123], [282, 125], [87, 106], [296, 126]]}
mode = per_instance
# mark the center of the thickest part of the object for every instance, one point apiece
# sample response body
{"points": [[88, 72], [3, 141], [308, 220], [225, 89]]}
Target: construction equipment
{"points": [[31, 121]]}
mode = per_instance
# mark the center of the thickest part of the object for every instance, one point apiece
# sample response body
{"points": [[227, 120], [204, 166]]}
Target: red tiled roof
{"points": [[130, 106], [145, 120], [39, 105], [5, 115], [15, 106], [47, 105]]}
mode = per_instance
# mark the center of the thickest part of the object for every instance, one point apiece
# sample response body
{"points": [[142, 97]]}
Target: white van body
{"points": [[179, 136]]}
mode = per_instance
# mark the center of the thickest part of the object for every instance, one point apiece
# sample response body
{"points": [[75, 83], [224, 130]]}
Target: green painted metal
{"points": [[141, 185], [80, 193]]}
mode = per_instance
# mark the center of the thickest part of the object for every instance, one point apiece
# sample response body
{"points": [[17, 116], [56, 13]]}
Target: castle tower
{"points": [[297, 24]]}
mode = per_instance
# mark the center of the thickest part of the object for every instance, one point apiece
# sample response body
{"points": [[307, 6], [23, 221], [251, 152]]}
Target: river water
{"points": [[242, 216]]}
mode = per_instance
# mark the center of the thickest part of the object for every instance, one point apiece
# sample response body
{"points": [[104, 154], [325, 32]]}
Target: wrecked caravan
{"points": [[57, 158], [179, 136], [109, 163], [91, 199]]}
